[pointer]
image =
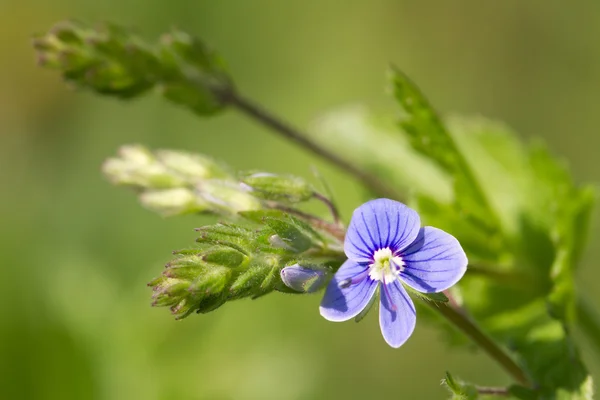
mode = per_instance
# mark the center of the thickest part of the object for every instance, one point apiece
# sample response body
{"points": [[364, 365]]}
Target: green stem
{"points": [[332, 208], [589, 321], [263, 116], [459, 319], [493, 391]]}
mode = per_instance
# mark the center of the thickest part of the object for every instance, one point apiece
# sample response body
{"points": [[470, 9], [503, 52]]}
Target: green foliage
{"points": [[514, 208], [539, 228]]}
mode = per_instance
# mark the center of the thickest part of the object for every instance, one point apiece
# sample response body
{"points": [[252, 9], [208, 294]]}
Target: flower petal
{"points": [[397, 315], [378, 224], [434, 262], [343, 303]]}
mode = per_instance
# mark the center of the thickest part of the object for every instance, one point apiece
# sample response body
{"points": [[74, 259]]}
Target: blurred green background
{"points": [[76, 253]]}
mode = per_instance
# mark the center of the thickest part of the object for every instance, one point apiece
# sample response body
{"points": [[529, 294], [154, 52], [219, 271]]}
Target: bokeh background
{"points": [[76, 253]]}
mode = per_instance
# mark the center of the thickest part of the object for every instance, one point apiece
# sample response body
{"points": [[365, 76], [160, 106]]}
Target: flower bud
{"points": [[175, 201], [304, 279], [278, 187], [138, 167], [108, 59], [190, 284], [227, 196], [191, 166]]}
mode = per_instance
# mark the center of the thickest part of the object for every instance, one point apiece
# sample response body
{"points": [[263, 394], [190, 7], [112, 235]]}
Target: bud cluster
{"points": [[174, 183], [107, 59], [272, 246], [110, 60], [233, 262]]}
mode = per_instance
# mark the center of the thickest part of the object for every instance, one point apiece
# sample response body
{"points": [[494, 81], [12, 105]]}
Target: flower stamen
{"points": [[385, 266]]}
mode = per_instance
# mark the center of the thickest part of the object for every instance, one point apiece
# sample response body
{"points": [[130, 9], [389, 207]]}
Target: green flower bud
{"points": [[189, 284], [191, 166], [108, 59], [227, 196], [278, 187], [291, 233], [175, 201], [224, 256], [138, 167]]}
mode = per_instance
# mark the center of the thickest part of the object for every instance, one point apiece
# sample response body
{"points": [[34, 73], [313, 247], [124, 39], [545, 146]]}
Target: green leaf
{"points": [[544, 218], [523, 393], [544, 348], [376, 146], [429, 136]]}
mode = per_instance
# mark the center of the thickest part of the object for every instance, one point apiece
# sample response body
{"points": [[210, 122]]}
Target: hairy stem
{"points": [[332, 208], [469, 328], [494, 391], [263, 116]]}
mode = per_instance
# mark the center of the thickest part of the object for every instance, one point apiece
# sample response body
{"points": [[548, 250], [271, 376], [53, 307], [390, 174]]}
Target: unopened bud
{"points": [[304, 279], [227, 196], [192, 166], [278, 187], [175, 201], [138, 167], [107, 59]]}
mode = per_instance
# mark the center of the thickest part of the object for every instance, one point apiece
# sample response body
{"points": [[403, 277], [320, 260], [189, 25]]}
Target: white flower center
{"points": [[385, 267]]}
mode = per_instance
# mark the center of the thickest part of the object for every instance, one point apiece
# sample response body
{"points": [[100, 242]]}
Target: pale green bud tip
{"points": [[202, 279], [190, 284], [192, 166], [227, 196], [138, 167], [175, 201], [304, 279], [278, 187]]}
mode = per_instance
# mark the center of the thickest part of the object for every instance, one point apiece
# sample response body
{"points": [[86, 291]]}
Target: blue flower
{"points": [[386, 248]]}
